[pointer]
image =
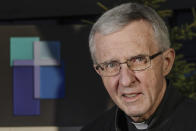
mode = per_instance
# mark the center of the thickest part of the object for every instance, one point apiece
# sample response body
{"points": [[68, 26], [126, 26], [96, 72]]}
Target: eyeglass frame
{"points": [[97, 66]]}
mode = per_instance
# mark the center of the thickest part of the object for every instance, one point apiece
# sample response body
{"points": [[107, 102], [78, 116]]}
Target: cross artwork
{"points": [[38, 73]]}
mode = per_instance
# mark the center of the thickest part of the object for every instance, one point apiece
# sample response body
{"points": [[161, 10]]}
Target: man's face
{"points": [[137, 93]]}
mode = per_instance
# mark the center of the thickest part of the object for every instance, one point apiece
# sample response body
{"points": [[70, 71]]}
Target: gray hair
{"points": [[120, 16]]}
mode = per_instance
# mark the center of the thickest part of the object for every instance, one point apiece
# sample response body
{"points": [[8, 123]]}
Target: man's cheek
{"points": [[110, 81]]}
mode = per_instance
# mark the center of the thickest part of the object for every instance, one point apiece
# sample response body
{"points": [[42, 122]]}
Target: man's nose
{"points": [[127, 76]]}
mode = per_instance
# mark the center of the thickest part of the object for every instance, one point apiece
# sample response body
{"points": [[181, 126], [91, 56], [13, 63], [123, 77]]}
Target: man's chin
{"points": [[134, 112]]}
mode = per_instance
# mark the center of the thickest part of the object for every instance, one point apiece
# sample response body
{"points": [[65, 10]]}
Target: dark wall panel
{"points": [[49, 8], [85, 96]]}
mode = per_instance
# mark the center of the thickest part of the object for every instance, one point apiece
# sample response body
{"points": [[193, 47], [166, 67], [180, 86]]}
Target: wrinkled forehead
{"points": [[135, 38]]}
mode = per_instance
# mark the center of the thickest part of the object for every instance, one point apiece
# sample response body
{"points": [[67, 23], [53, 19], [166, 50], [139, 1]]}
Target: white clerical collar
{"points": [[141, 125]]}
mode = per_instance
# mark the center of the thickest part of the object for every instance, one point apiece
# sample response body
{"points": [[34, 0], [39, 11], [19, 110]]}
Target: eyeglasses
{"points": [[136, 63]]}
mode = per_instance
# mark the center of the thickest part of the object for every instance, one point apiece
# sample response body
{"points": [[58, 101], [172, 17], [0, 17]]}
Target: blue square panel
{"points": [[47, 53], [50, 49], [52, 82]]}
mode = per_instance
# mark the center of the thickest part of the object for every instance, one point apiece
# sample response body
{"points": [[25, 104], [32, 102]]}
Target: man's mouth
{"points": [[132, 97]]}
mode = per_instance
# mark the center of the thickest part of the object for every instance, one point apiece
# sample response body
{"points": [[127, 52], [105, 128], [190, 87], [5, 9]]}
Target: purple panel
{"points": [[24, 103], [36, 81], [23, 62]]}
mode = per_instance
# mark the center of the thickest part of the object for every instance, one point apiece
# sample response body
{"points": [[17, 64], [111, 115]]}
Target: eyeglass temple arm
{"points": [[98, 66], [155, 55]]}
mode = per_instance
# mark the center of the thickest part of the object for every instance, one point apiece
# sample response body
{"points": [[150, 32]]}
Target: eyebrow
{"points": [[137, 56], [115, 60], [109, 61]]}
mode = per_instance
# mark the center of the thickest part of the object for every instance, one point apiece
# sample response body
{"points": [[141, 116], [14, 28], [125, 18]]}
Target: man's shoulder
{"points": [[184, 116], [181, 104], [188, 106], [104, 122]]}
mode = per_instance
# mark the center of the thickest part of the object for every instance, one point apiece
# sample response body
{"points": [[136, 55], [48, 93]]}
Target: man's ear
{"points": [[168, 60]]}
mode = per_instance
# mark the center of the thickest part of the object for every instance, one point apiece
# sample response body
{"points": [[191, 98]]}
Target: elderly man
{"points": [[130, 48]]}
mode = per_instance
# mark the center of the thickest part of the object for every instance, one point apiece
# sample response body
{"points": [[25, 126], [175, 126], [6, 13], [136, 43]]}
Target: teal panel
{"points": [[21, 48]]}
